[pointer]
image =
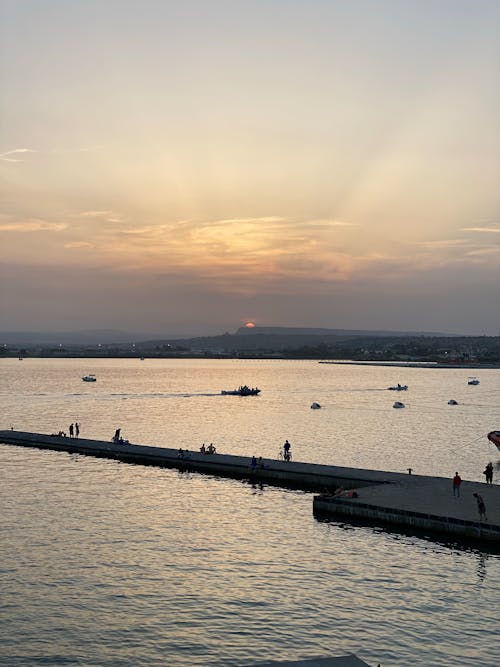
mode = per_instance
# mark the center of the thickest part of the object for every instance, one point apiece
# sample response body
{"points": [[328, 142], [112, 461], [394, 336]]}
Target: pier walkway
{"points": [[412, 501]]}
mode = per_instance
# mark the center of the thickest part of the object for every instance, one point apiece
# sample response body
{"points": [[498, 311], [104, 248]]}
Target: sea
{"points": [[107, 564]]}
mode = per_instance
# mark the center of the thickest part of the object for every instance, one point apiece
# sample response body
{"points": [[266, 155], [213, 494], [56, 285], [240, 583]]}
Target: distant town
{"points": [[272, 343]]}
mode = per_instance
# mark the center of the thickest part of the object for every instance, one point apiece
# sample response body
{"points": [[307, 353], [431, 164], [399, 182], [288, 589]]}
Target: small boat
{"points": [[398, 387], [494, 437], [244, 390], [315, 406], [89, 378], [452, 401], [472, 380], [398, 404]]}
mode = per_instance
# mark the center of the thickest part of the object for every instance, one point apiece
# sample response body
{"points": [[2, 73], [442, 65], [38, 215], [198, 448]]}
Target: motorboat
{"points": [[472, 380], [89, 378], [315, 406], [398, 404], [244, 390], [452, 401], [398, 387], [494, 437]]}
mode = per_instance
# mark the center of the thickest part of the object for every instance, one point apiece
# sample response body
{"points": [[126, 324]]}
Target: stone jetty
{"points": [[397, 499]]}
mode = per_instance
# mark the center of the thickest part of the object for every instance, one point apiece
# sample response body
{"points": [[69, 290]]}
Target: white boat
{"points": [[315, 406], [398, 387], [472, 380], [89, 378], [398, 404]]}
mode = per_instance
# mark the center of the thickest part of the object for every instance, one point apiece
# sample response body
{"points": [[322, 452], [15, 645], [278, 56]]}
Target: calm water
{"points": [[107, 564]]}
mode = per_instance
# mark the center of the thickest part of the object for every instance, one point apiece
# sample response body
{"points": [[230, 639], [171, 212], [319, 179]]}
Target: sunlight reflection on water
{"points": [[110, 564]]}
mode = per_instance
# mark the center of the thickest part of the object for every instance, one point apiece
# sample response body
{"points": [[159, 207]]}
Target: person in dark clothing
{"points": [[488, 473], [481, 507], [286, 451], [116, 437], [457, 480], [71, 431]]}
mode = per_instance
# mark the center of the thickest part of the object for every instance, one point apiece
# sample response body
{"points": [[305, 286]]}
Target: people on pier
{"points": [[77, 429], [287, 454], [457, 480], [203, 449], [488, 473], [116, 437], [211, 448], [481, 507], [71, 430]]}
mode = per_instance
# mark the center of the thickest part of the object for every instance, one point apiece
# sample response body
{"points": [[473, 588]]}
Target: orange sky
{"points": [[199, 163]]}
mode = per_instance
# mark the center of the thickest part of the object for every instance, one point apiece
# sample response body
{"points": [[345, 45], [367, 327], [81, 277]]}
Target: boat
{"points": [[452, 401], [244, 390], [398, 404], [89, 378], [398, 387], [494, 437], [315, 406], [472, 380]]}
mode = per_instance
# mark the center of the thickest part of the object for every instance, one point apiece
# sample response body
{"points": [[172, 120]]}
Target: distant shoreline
{"points": [[270, 357], [412, 364]]}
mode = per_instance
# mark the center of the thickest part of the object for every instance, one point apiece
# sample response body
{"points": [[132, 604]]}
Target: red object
{"points": [[494, 437]]}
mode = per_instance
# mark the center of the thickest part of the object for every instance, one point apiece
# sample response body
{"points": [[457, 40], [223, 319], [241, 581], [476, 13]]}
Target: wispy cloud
{"points": [[17, 151], [108, 216], [483, 230], [78, 244], [32, 225]]}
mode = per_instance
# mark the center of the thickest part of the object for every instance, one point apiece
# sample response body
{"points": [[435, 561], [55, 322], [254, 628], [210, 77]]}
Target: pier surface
{"points": [[341, 661], [412, 501]]}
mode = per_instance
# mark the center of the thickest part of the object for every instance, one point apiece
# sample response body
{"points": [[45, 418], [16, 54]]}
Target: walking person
{"points": [[71, 430], [481, 507], [457, 480]]}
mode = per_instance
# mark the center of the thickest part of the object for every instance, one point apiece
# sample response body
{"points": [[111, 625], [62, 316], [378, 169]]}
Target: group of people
{"points": [[481, 505], [117, 438], [74, 430], [211, 449]]}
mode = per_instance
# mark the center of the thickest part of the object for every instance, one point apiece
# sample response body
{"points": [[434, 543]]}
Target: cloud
{"points": [[78, 244], [108, 216], [5, 156], [483, 230], [32, 225]]}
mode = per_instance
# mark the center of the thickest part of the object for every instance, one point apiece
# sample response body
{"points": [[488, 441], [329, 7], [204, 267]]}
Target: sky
{"points": [[182, 167]]}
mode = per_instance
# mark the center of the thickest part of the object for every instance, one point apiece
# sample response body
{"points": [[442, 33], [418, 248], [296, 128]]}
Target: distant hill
{"points": [[313, 331]]}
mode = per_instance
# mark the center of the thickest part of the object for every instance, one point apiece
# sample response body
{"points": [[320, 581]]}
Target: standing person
{"points": [[488, 473], [71, 431], [481, 507], [286, 450], [77, 429], [457, 480], [116, 437]]}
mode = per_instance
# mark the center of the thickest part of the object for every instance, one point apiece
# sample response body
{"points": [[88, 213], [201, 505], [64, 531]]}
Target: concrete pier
{"points": [[397, 499], [422, 503], [307, 476]]}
